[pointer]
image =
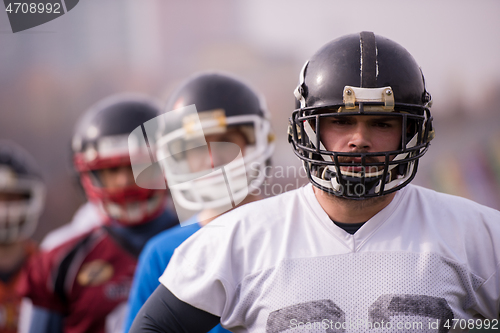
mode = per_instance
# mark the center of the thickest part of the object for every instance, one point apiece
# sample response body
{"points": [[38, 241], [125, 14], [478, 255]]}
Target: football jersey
{"points": [[282, 265], [10, 300], [86, 218], [88, 278], [152, 263]]}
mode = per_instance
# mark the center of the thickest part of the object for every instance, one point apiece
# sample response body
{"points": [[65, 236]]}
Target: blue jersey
{"points": [[152, 262]]}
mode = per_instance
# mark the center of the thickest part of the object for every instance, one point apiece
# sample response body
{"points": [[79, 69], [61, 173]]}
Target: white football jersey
{"points": [[428, 262]]}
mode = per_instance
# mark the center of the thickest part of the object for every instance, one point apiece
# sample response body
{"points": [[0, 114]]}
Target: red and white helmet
{"points": [[101, 141]]}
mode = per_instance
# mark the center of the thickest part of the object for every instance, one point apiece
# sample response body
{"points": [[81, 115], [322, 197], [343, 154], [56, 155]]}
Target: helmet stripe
{"points": [[368, 49]]}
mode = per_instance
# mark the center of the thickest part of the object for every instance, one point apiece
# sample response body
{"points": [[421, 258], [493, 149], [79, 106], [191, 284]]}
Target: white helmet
{"points": [[207, 104], [22, 193]]}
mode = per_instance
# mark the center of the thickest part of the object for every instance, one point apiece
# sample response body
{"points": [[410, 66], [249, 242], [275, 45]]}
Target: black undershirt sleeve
{"points": [[163, 312]]}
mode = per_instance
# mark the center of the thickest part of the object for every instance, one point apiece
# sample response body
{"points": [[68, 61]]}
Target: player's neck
{"points": [[11, 255], [203, 221], [351, 211]]}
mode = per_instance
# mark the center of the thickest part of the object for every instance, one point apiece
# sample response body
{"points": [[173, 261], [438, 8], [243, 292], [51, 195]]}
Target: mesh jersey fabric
{"points": [[275, 263]]}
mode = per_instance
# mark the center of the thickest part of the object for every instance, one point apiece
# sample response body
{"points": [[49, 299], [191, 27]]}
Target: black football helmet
{"points": [[22, 193], [104, 138], [361, 74], [214, 103]]}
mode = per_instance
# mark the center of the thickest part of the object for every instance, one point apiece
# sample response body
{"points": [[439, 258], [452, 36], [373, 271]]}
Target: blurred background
{"points": [[52, 73]]}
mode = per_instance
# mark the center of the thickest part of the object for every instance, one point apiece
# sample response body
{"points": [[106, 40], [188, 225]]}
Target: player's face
{"points": [[360, 134], [10, 198], [116, 178], [198, 159]]}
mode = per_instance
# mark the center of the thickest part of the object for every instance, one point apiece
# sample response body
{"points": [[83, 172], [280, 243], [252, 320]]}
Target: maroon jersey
{"points": [[85, 280], [10, 301]]}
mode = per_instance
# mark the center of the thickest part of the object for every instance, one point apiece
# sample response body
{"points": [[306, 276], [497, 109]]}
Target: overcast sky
{"points": [[457, 43]]}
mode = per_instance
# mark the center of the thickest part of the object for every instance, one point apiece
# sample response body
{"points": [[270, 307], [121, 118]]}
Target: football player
{"points": [[82, 285], [87, 217], [22, 196], [359, 249], [238, 121]]}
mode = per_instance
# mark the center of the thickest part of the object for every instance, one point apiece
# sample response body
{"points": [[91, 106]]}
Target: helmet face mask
{"points": [[377, 173], [357, 173], [193, 164], [105, 141], [22, 194]]}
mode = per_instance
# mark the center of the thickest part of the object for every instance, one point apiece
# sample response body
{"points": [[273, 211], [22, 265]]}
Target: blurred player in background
{"points": [[22, 196], [82, 285], [357, 250], [85, 218], [234, 120]]}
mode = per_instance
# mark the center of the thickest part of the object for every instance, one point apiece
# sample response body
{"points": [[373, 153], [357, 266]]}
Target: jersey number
{"points": [[381, 311]]}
